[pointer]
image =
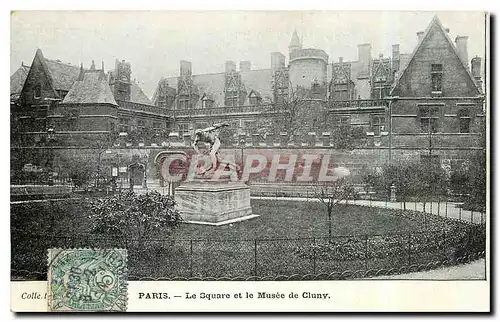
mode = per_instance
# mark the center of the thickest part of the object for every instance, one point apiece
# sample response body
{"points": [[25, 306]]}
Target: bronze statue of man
{"points": [[209, 135]]}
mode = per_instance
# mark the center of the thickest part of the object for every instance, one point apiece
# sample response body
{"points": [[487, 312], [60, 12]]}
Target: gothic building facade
{"points": [[390, 98], [429, 99]]}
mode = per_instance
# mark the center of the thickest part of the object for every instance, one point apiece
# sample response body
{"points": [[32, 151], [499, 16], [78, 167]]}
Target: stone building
{"points": [[399, 102], [435, 107], [351, 91], [359, 93], [77, 104]]}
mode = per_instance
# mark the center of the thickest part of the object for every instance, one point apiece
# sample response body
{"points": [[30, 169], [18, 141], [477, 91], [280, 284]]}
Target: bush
{"points": [[135, 217]]}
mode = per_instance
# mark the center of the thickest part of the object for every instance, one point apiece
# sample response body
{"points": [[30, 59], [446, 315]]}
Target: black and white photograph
{"points": [[244, 146]]}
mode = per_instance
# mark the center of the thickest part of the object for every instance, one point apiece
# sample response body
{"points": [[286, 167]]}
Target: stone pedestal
{"points": [[213, 203]]}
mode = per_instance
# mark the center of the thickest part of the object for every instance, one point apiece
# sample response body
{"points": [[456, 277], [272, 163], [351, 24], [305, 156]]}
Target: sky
{"points": [[155, 41]]}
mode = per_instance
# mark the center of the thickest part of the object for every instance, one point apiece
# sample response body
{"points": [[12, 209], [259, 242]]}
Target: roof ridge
{"points": [[217, 73], [60, 62], [436, 20]]}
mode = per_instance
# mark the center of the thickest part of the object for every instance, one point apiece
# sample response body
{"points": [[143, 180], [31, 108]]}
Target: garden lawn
{"points": [[298, 219]]}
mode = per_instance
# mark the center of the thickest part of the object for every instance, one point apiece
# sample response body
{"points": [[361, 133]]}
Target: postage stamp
{"points": [[87, 280]]}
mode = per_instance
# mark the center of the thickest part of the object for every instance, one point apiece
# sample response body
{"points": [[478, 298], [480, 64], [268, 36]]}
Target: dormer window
{"points": [[207, 102], [254, 98], [37, 91], [232, 97]]}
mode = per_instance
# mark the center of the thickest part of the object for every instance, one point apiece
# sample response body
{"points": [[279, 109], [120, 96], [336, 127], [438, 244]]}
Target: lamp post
{"points": [[50, 139], [99, 166]]}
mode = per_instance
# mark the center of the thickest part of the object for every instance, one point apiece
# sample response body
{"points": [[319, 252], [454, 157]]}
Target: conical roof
{"points": [[295, 41]]}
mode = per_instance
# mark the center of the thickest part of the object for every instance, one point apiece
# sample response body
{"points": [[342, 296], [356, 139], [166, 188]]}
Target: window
{"points": [[316, 89], [183, 128], [37, 91], [183, 102], [465, 121], [429, 119], [124, 125], [232, 98], [207, 103], [254, 98], [342, 120], [377, 124], [437, 78], [380, 90], [141, 125]]}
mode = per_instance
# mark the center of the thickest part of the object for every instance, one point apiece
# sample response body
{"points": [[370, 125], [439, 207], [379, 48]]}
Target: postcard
{"points": [[249, 161]]}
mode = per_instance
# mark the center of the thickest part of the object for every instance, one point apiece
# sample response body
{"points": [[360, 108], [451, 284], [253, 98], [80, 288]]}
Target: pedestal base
{"points": [[214, 203]]}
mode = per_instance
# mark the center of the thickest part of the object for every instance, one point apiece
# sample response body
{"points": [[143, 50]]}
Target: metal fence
{"points": [[258, 258]]}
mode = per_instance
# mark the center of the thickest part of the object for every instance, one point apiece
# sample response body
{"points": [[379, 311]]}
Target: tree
{"points": [[469, 180], [293, 116], [347, 137], [78, 168], [136, 217], [411, 180], [331, 194]]}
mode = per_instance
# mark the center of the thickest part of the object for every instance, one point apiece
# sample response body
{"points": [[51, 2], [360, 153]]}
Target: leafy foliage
{"points": [[79, 168], [470, 180], [134, 216], [455, 240], [411, 180]]}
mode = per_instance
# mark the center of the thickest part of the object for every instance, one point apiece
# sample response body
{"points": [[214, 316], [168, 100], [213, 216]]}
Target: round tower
{"points": [[307, 67]]}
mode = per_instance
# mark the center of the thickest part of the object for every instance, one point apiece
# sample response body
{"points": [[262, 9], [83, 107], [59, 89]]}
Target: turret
{"points": [[294, 43]]}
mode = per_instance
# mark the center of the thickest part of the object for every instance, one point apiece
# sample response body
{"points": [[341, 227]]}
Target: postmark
{"points": [[87, 280]]}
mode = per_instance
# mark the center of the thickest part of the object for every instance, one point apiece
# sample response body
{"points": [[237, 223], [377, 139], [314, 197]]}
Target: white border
{"points": [[189, 5]]}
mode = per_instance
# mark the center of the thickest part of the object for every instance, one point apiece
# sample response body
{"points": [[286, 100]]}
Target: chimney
{"points": [[80, 76], [461, 43], [395, 57], [364, 57], [475, 69], [92, 66], [245, 66], [447, 30], [185, 68], [420, 35], [230, 66], [277, 60], [395, 51], [341, 59], [102, 65]]}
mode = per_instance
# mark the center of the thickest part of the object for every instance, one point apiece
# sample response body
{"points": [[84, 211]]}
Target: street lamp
{"points": [[50, 139]]}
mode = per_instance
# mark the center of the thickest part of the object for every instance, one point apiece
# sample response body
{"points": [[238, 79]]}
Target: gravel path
{"points": [[475, 270]]}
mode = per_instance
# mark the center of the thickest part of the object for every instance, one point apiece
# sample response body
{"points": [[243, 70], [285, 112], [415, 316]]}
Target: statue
{"points": [[209, 135]]}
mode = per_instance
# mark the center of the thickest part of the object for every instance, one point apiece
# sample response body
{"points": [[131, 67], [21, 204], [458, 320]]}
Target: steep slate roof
{"points": [[138, 96], [295, 41], [18, 78], [435, 22], [91, 87], [260, 81], [63, 75], [213, 84]]}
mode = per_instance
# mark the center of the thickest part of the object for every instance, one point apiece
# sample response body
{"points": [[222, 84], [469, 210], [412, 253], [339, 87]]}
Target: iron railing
{"points": [[200, 259]]}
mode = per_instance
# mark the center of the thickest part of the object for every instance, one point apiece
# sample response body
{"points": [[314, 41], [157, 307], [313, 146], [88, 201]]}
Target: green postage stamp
{"points": [[87, 280]]}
